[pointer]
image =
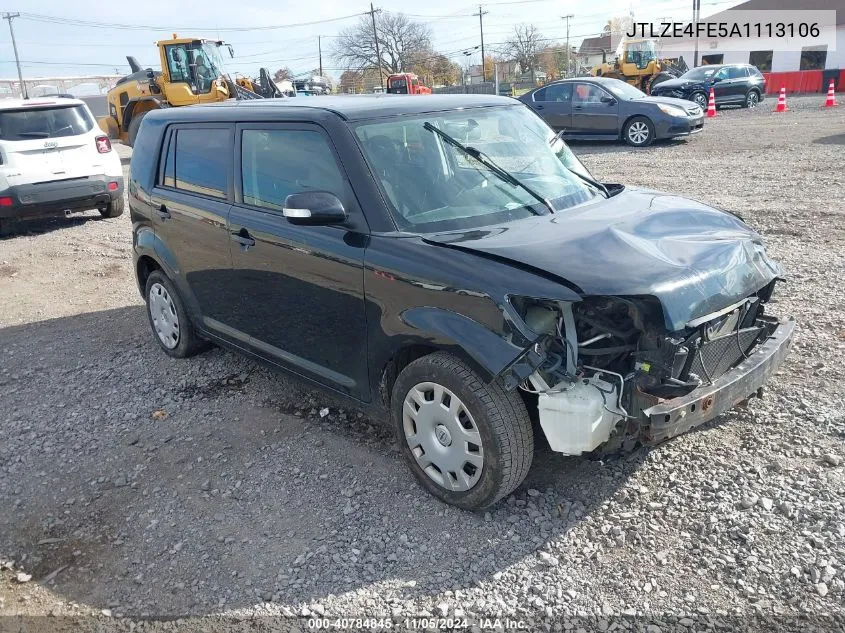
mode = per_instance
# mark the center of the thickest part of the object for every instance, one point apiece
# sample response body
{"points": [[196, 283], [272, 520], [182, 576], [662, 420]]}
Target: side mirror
{"points": [[608, 100], [314, 208], [231, 50]]}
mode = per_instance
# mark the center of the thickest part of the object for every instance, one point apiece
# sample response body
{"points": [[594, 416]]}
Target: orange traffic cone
{"points": [[781, 106], [711, 104], [831, 97]]}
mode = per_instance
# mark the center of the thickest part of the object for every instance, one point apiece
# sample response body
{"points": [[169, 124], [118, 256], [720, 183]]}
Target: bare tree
{"points": [[283, 74], [524, 46], [399, 39]]}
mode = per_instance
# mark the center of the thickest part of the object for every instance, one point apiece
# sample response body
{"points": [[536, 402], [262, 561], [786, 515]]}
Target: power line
{"points": [[36, 17]]}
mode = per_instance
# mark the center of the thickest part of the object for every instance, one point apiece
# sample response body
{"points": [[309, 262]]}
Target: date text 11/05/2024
{"points": [[421, 623]]}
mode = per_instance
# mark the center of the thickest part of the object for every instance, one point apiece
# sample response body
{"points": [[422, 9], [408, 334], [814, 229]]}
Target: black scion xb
{"points": [[447, 263]]}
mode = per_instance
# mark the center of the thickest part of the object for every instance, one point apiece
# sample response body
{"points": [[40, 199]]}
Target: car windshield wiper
{"points": [[590, 181], [34, 134], [485, 160], [587, 179]]}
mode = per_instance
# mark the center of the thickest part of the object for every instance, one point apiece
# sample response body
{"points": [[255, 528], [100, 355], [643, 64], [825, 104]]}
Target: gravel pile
{"points": [[135, 485]]}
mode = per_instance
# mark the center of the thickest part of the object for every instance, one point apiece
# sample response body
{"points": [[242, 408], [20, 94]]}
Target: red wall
{"points": [[800, 81]]}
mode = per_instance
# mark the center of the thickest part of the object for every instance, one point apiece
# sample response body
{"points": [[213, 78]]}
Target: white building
{"points": [[763, 52]]}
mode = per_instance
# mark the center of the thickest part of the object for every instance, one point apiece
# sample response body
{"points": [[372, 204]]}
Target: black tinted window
{"points": [[201, 159], [277, 163], [558, 92], [736, 72], [35, 123]]}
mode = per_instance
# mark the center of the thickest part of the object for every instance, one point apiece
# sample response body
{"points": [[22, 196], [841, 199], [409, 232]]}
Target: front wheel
{"points": [[468, 444], [701, 99], [638, 132]]}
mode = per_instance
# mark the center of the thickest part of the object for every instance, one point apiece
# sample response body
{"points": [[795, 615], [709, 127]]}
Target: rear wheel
{"points": [[752, 99], [701, 99], [7, 227], [169, 321], [134, 126], [469, 444], [114, 209], [638, 132]]}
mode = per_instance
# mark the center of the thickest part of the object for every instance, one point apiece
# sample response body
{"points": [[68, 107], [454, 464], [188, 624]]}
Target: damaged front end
{"points": [[606, 372]]}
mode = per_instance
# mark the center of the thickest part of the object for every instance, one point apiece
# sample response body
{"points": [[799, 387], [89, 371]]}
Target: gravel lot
{"points": [[135, 485]]}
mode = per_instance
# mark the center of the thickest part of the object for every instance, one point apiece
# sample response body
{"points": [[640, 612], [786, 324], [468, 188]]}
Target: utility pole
{"points": [[372, 13], [320, 53], [9, 17], [481, 26], [696, 13], [567, 18]]}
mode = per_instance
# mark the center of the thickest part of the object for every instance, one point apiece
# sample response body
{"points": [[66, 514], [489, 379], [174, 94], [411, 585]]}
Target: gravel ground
{"points": [[135, 485]]}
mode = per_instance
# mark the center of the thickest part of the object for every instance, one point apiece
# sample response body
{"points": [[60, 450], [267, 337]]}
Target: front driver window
{"points": [[587, 93], [277, 163]]}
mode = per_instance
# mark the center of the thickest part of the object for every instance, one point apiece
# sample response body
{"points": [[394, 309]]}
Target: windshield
{"points": [[434, 186], [37, 123], [397, 85], [640, 52], [702, 72], [621, 89]]}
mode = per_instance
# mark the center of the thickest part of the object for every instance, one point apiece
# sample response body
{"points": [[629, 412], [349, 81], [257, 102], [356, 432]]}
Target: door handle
{"points": [[538, 107], [577, 107], [163, 213], [243, 239]]}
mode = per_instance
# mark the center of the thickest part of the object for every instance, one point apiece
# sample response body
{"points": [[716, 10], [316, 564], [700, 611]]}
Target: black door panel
{"points": [[190, 214], [297, 283]]}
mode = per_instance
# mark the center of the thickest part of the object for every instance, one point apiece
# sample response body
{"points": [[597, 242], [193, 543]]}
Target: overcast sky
{"points": [[59, 47]]}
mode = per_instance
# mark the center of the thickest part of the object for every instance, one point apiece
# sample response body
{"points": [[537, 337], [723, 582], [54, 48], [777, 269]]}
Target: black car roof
{"points": [[348, 107]]}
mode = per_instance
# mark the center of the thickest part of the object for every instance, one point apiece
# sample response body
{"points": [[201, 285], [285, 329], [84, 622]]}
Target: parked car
{"points": [[600, 108], [733, 84], [53, 160], [449, 263]]}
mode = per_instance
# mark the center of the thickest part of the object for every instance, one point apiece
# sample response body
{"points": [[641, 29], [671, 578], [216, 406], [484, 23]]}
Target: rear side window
{"points": [[737, 72], [277, 163], [35, 123], [197, 161]]}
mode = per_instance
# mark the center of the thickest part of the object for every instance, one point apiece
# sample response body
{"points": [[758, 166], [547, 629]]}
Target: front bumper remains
{"points": [[669, 418]]}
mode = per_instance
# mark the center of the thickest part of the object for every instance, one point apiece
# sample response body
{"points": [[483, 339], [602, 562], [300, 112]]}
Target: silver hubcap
{"points": [[163, 312], [701, 100], [442, 436], [752, 99], [638, 132]]}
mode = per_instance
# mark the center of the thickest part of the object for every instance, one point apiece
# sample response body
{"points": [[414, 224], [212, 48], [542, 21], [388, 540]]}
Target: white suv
{"points": [[54, 160]]}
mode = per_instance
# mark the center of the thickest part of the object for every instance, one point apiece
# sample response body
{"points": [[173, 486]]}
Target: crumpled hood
{"points": [[673, 84], [695, 259]]}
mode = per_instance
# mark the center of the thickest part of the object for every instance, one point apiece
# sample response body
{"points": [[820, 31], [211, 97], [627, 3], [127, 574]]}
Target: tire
{"points": [[7, 227], [115, 208], [751, 99], [164, 306], [638, 132], [134, 126], [495, 419], [701, 99]]}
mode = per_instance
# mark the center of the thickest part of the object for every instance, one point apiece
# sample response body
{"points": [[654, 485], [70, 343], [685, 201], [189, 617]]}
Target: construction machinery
{"points": [[637, 63], [192, 72]]}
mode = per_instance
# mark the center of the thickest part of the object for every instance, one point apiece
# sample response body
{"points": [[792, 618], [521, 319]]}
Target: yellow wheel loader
{"points": [[637, 64], [192, 72]]}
